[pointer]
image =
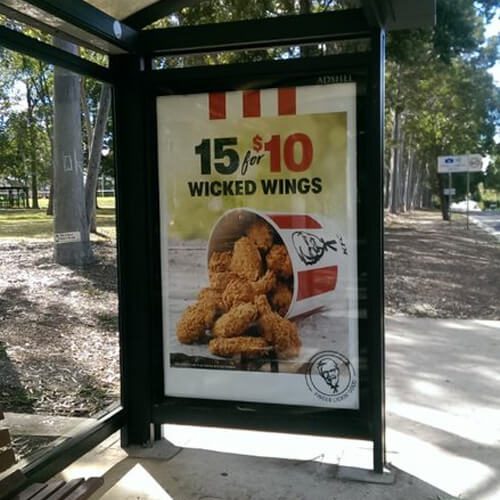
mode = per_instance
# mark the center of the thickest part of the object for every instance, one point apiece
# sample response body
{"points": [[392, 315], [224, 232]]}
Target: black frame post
{"points": [[376, 256], [133, 223]]}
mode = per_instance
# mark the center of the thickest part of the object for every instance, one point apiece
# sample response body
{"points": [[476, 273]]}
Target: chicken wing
{"points": [[235, 322], [194, 321], [249, 347], [279, 261], [281, 333], [261, 233], [238, 291], [281, 298], [219, 262]]}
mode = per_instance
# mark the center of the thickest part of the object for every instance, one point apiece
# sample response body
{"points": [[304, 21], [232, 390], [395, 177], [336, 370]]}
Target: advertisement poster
{"points": [[258, 238]]}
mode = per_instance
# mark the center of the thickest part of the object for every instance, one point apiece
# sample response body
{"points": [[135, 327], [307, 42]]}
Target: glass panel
{"points": [[255, 55], [207, 12], [59, 356]]}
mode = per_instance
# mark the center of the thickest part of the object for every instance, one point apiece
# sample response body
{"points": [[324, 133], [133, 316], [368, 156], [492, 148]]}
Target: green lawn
{"points": [[30, 223]]}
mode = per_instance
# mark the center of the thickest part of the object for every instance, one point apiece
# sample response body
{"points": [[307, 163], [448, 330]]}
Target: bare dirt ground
{"points": [[58, 336], [439, 269], [58, 325]]}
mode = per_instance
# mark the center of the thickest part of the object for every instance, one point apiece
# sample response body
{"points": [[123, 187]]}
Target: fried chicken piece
{"points": [[235, 322], [281, 333], [246, 260], [219, 262], [261, 233], [281, 298], [279, 261], [213, 297], [219, 281], [238, 291], [249, 347], [265, 284], [194, 321]]}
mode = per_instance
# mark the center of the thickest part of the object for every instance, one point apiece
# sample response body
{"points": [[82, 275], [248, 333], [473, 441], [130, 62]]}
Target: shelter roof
{"points": [[93, 22], [115, 27]]}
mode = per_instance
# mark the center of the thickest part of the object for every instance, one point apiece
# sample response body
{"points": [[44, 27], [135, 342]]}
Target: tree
{"points": [[72, 242], [26, 105], [440, 100], [94, 160]]}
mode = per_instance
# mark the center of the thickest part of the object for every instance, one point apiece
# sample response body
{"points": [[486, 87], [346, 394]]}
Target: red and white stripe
{"points": [[252, 103], [295, 221], [316, 282]]}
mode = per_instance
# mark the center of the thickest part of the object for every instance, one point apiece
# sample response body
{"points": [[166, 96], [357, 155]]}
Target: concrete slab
{"points": [[443, 436]]}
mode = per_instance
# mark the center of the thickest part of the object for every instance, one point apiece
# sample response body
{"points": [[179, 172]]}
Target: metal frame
{"points": [[80, 20], [14, 40], [136, 86], [238, 35], [366, 423]]}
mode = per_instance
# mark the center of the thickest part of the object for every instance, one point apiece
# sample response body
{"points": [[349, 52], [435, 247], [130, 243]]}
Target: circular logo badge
{"points": [[330, 376]]}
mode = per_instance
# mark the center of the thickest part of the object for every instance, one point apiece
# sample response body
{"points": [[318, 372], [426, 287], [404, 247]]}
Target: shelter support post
{"points": [[376, 234], [133, 223]]}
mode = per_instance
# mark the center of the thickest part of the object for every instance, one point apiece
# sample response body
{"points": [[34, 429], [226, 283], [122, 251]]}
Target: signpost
{"points": [[459, 164]]}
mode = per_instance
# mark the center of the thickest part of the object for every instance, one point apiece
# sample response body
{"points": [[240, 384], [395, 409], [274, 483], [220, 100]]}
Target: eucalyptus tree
{"points": [[440, 99], [71, 228], [26, 96]]}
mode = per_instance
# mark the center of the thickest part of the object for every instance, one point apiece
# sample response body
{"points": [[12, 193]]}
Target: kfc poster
{"points": [[259, 249]]}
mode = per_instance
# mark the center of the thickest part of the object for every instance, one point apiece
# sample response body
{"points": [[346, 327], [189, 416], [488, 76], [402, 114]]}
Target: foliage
{"points": [[440, 99], [443, 99], [25, 118]]}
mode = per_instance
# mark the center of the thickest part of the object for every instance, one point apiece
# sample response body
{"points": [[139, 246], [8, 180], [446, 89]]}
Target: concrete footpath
{"points": [[443, 436]]}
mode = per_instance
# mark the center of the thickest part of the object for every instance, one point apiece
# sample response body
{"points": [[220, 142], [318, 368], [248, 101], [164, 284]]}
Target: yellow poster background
{"points": [[191, 217]]}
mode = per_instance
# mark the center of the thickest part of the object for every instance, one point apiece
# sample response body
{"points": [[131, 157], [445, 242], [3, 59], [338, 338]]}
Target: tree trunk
{"points": [[396, 164], [408, 187], [33, 155], [72, 243], [445, 208], [95, 156], [50, 206], [415, 191], [87, 125]]}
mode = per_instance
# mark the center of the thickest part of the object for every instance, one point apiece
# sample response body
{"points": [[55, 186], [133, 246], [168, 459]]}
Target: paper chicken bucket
{"points": [[315, 255]]}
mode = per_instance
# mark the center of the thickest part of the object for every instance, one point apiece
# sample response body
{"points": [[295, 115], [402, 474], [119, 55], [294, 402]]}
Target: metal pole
{"points": [[467, 199], [376, 288], [449, 196]]}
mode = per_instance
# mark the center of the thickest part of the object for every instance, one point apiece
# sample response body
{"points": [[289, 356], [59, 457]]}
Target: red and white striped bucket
{"points": [[315, 255]]}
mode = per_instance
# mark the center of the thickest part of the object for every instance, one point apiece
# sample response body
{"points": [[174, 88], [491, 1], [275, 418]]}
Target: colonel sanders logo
{"points": [[330, 376], [330, 372]]}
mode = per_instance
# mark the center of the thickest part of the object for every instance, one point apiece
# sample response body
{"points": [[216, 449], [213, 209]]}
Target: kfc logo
{"points": [[330, 376]]}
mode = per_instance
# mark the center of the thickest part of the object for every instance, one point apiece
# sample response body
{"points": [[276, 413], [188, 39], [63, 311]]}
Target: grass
{"points": [[36, 224]]}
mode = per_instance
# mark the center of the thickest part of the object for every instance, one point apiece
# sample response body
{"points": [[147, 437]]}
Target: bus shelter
{"points": [[269, 170]]}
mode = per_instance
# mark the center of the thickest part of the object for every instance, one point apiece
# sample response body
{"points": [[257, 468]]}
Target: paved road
{"points": [[489, 220]]}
